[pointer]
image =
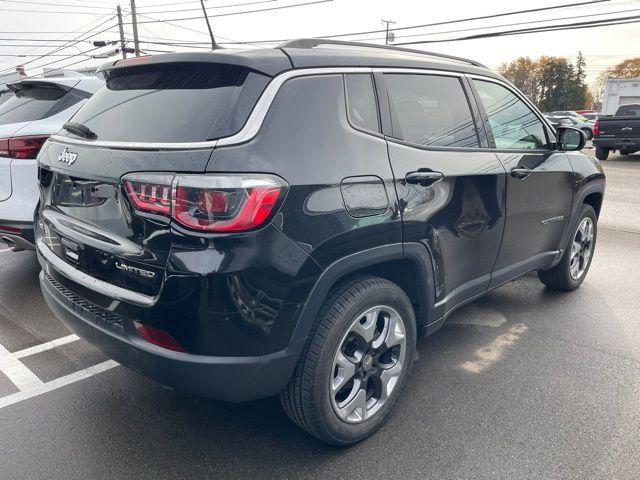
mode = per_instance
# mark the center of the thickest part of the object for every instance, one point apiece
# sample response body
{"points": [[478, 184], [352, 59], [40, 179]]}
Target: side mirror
{"points": [[570, 138]]}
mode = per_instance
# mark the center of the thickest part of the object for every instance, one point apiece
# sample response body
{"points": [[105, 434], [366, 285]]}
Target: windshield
{"points": [[30, 103], [172, 103]]}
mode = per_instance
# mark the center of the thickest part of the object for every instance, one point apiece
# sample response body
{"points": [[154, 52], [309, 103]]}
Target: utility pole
{"points": [[134, 22], [122, 48], [206, 18], [389, 36]]}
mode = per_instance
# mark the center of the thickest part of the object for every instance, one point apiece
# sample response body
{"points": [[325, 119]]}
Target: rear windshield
{"points": [[30, 103], [172, 103], [629, 111]]}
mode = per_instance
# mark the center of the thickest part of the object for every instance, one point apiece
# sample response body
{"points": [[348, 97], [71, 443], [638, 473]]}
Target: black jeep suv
{"points": [[239, 224]]}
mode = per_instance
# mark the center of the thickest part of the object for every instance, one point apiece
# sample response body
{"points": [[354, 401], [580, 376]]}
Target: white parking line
{"points": [[17, 372], [46, 346], [57, 383], [2, 250]]}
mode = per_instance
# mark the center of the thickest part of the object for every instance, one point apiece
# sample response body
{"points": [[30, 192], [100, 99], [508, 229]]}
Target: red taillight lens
{"points": [[22, 147], [209, 203], [158, 337], [596, 128], [152, 194], [4, 147]]}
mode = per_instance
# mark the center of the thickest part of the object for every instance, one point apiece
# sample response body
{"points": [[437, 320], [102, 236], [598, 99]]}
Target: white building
{"points": [[620, 91]]}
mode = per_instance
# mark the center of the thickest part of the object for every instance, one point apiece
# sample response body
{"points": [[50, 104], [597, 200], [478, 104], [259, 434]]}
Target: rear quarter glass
{"points": [[170, 103]]}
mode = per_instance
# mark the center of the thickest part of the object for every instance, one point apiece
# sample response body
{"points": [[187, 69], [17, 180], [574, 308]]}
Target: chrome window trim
{"points": [[104, 288], [257, 116]]}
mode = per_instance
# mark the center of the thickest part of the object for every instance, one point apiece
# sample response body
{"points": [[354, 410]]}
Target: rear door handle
{"points": [[424, 179], [521, 172]]}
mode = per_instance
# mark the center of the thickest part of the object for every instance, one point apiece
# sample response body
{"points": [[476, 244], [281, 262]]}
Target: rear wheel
{"points": [[353, 370], [575, 263], [602, 153]]}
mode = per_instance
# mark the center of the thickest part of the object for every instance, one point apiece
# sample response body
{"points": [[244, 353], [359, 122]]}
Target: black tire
{"points": [[559, 277], [588, 133], [602, 153], [307, 400]]}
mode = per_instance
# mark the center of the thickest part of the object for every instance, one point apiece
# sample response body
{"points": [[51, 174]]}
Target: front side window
{"points": [[513, 124], [430, 111]]}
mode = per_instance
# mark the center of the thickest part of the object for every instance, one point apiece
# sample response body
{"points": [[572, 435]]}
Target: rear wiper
{"points": [[79, 129]]}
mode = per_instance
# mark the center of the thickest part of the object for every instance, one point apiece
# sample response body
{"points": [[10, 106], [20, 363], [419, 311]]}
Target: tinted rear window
{"points": [[629, 111], [172, 103], [30, 103]]}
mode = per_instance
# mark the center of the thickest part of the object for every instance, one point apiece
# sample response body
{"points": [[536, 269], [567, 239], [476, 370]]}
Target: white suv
{"points": [[38, 109]]}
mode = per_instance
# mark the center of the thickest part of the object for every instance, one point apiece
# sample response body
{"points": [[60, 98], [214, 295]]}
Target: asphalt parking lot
{"points": [[524, 383]]}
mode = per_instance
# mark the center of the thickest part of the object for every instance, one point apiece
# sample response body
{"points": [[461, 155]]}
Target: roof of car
{"points": [[315, 53]]}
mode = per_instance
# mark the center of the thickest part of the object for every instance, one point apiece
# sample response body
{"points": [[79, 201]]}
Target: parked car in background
{"points": [[240, 224], [584, 112], [591, 116], [37, 109], [577, 121], [559, 121], [619, 132]]}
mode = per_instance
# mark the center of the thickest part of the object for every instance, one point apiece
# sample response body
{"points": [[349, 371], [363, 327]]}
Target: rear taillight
{"points": [[150, 193], [596, 128], [22, 147], [208, 203]]}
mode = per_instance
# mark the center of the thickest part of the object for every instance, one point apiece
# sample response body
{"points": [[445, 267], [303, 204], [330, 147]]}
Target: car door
{"points": [[450, 188], [539, 189]]}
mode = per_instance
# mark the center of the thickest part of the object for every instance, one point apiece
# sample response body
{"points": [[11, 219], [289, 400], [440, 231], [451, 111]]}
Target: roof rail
{"points": [[314, 42]]}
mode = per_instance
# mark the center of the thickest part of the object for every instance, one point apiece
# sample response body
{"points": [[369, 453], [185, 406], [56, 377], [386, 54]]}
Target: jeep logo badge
{"points": [[67, 157]]}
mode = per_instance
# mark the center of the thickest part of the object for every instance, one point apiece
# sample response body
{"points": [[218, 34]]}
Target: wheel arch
{"points": [[407, 265], [595, 200]]}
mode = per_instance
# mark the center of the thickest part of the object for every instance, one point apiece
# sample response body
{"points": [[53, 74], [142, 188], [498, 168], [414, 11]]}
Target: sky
{"points": [[38, 27]]}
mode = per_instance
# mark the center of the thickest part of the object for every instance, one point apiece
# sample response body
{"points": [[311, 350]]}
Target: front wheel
{"points": [[588, 133], [602, 153], [352, 371], [575, 263]]}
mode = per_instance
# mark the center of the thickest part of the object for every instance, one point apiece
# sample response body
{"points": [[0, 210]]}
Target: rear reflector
{"points": [[5, 229], [208, 203], [158, 337], [22, 147]]}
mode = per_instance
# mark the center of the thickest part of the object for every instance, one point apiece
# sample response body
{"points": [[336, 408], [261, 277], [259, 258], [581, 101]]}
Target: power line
{"points": [[144, 9], [549, 28], [484, 17], [49, 4], [528, 22], [447, 22], [70, 43], [304, 4], [66, 12]]}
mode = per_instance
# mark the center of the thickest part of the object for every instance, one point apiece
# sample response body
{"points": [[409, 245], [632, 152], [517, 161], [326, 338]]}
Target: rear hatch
{"points": [[138, 127]]}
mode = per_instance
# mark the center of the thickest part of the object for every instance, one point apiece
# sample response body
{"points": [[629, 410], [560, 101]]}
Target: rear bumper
{"points": [[618, 143], [233, 379], [17, 234]]}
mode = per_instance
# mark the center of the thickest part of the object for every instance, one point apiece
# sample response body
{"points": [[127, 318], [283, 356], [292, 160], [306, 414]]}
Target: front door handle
{"points": [[521, 172], [424, 179]]}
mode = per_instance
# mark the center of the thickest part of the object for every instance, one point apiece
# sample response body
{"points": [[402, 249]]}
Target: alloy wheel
{"points": [[581, 248], [368, 364]]}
